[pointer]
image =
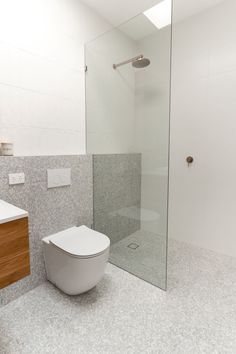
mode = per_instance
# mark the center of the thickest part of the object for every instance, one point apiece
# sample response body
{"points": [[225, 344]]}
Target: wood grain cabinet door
{"points": [[14, 251]]}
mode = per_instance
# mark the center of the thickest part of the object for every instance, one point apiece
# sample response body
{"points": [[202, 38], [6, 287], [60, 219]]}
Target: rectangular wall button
{"points": [[59, 177], [16, 178]]}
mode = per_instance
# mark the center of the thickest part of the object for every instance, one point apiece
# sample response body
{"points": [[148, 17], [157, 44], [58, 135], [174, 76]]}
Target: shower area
{"points": [[127, 118]]}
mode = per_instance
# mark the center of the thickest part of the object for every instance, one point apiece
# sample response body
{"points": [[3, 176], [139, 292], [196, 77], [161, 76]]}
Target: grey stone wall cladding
{"points": [[117, 185], [50, 210]]}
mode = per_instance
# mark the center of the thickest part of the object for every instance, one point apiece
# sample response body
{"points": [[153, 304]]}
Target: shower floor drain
{"points": [[133, 246]]}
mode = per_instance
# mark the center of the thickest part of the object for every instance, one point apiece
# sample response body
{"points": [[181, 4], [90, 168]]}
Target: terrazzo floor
{"points": [[143, 254], [124, 314]]}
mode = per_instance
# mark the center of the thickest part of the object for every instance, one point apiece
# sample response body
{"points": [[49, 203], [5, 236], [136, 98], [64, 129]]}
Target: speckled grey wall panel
{"points": [[50, 210], [117, 188]]}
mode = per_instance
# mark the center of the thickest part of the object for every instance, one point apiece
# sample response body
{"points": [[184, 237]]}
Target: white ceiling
{"points": [[138, 28], [117, 12]]}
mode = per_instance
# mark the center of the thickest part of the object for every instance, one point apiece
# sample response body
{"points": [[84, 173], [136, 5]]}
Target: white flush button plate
{"points": [[59, 177], [16, 178]]}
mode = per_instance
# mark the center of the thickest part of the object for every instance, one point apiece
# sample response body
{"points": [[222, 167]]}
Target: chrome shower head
{"points": [[137, 62], [141, 63]]}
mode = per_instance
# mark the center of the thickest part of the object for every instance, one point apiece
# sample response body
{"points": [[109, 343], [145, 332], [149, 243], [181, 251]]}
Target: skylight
{"points": [[160, 14]]}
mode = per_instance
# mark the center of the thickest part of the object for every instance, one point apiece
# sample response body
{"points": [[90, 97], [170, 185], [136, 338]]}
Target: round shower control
{"points": [[189, 160]]}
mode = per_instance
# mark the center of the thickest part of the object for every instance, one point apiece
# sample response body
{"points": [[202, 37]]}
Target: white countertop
{"points": [[9, 212]]}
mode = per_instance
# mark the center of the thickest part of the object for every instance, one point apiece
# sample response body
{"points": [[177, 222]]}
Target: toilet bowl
{"points": [[76, 258]]}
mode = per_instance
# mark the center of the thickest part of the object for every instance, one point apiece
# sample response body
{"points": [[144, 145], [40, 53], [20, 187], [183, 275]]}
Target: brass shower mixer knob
{"points": [[189, 160]]}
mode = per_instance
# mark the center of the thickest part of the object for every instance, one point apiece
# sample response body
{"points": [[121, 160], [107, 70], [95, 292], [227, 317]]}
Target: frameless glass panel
{"points": [[127, 103]]}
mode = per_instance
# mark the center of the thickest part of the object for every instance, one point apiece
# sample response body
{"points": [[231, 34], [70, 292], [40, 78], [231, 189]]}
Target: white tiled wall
{"points": [[42, 95], [110, 94], [203, 198]]}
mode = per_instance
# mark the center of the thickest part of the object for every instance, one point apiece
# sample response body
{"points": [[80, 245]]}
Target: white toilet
{"points": [[76, 259]]}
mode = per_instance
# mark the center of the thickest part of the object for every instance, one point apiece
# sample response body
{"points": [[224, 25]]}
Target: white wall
{"points": [[152, 128], [110, 94], [42, 101], [203, 197]]}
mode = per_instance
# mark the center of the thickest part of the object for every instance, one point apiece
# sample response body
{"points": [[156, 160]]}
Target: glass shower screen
{"points": [[127, 109]]}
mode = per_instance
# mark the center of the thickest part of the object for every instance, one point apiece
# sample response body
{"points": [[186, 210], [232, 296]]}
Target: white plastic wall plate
{"points": [[16, 178], [59, 177]]}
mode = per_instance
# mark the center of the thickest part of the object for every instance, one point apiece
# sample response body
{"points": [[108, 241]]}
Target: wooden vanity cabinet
{"points": [[14, 251]]}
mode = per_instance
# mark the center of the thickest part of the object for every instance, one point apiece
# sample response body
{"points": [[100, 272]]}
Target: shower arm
{"points": [[128, 61]]}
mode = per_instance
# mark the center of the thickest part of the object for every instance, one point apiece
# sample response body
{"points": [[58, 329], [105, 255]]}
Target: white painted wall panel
{"points": [[203, 197], [42, 83]]}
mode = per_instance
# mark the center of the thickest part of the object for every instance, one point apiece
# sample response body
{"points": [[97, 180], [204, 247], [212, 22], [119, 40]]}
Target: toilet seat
{"points": [[80, 242]]}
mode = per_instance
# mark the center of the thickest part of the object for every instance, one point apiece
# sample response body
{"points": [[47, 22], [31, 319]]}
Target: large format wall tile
{"points": [[42, 107], [117, 193], [50, 210]]}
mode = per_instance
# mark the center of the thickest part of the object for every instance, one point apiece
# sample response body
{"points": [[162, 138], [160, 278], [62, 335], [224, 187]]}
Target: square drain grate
{"points": [[133, 246]]}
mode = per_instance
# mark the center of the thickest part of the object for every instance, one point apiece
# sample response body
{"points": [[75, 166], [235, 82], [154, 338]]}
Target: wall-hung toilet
{"points": [[76, 258]]}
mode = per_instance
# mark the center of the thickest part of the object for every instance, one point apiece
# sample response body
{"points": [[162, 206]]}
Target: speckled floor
{"points": [[124, 314], [147, 261]]}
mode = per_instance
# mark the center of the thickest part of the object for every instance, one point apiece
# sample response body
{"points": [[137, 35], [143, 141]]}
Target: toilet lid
{"points": [[81, 241]]}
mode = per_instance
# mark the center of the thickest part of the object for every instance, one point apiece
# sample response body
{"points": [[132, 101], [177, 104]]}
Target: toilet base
{"points": [[70, 274]]}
